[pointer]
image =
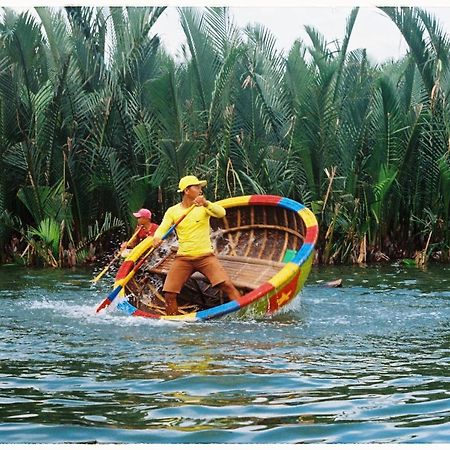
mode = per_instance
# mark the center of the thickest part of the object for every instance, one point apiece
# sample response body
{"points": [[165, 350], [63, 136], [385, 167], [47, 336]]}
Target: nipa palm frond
{"points": [[266, 71], [413, 30], [224, 35], [202, 55], [119, 178], [97, 231]]}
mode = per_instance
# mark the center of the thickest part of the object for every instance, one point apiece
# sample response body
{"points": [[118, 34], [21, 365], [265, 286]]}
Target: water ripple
{"points": [[367, 363]]}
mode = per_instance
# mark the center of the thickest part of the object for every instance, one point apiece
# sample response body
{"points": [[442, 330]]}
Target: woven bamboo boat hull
{"points": [[265, 243]]}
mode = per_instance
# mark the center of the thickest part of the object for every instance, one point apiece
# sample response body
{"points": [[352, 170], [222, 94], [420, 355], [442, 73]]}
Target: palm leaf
{"points": [[413, 30], [48, 232], [200, 51], [266, 69], [181, 156]]}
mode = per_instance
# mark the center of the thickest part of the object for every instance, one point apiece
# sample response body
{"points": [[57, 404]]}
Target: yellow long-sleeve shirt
{"points": [[193, 231]]}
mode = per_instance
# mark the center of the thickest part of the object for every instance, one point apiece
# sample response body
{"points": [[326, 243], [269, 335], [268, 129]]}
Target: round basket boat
{"points": [[265, 243]]}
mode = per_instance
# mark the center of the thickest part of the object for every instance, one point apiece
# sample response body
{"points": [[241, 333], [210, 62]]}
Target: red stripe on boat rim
{"points": [[250, 297], [311, 234], [141, 313], [124, 270], [264, 200]]}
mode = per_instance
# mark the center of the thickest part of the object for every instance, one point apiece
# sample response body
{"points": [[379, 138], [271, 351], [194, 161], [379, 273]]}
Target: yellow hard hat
{"points": [[190, 180]]}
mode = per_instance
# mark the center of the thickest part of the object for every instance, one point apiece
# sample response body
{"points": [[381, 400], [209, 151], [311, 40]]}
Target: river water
{"points": [[365, 363]]}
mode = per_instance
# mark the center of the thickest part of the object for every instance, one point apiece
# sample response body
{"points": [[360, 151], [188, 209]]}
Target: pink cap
{"points": [[143, 213]]}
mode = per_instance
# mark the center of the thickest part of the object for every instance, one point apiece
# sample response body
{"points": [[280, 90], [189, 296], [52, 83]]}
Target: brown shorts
{"points": [[184, 266]]}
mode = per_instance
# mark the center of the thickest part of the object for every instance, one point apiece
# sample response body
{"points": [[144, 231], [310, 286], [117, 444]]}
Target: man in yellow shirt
{"points": [[195, 251]]}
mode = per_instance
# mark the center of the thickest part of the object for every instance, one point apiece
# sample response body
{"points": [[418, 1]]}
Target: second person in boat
{"points": [[195, 251], [144, 228]]}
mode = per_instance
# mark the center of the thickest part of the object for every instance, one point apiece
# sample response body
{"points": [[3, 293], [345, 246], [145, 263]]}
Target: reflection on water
{"points": [[366, 363]]}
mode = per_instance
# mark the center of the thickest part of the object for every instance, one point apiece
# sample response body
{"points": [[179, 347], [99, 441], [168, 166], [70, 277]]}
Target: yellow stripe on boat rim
{"points": [[308, 217], [235, 201], [184, 317], [284, 275], [139, 250]]}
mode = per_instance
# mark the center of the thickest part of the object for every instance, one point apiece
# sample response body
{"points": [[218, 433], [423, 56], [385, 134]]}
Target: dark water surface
{"points": [[367, 363]]}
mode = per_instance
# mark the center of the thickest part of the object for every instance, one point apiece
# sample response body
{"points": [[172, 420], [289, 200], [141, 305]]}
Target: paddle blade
{"points": [[104, 304], [112, 295]]}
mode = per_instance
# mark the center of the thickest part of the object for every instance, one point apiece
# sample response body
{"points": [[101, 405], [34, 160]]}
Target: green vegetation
{"points": [[97, 120]]}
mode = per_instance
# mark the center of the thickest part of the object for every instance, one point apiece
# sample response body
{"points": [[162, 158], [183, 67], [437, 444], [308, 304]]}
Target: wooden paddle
{"points": [[94, 280], [122, 283]]}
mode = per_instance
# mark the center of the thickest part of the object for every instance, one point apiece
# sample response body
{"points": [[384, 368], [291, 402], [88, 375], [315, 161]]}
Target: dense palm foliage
{"points": [[97, 120]]}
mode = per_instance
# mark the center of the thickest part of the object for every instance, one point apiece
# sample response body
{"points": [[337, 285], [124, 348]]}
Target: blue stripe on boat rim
{"points": [[126, 307], [291, 204], [220, 310], [303, 254]]}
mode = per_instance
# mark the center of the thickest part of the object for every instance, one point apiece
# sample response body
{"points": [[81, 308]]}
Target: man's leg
{"points": [[180, 271], [171, 303], [228, 288], [211, 267]]}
